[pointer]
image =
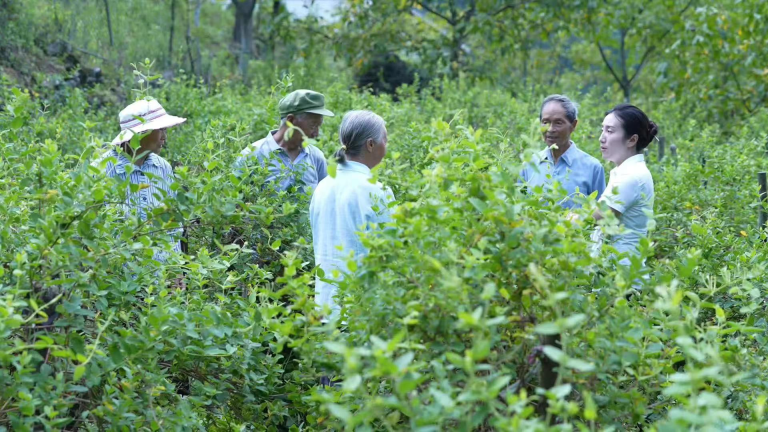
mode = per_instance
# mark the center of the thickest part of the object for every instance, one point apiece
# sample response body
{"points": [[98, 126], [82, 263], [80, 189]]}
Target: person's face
{"points": [[378, 150], [556, 128], [154, 142], [615, 146], [308, 123]]}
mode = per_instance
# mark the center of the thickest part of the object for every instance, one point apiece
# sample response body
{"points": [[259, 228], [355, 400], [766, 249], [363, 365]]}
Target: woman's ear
{"points": [[633, 141], [369, 145]]}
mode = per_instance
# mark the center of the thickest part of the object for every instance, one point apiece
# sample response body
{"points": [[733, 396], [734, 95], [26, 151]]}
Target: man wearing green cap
{"points": [[289, 161]]}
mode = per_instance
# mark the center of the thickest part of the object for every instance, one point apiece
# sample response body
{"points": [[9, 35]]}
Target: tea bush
{"points": [[444, 320]]}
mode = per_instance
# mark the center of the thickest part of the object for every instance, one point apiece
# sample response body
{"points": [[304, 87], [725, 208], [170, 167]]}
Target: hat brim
{"points": [[321, 111], [163, 122]]}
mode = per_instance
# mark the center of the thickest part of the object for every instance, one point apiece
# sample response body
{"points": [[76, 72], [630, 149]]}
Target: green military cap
{"points": [[303, 101]]}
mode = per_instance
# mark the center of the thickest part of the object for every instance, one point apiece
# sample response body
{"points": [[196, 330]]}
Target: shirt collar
{"points": [[567, 157], [273, 146], [355, 167], [123, 161], [634, 160]]}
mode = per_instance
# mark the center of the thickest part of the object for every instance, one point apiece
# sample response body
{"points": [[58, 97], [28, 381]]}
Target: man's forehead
{"points": [[553, 108]]}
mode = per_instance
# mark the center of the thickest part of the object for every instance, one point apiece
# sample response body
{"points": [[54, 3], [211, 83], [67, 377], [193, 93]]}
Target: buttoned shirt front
{"points": [[307, 170], [154, 177], [575, 170], [341, 207], [630, 192]]}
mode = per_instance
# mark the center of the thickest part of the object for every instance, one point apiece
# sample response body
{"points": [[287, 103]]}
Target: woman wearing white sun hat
{"points": [[147, 121]]}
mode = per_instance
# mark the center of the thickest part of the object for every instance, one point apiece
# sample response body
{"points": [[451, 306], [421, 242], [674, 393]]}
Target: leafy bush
{"points": [[446, 319]]}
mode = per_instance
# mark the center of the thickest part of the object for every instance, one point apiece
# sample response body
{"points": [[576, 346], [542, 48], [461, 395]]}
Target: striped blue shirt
{"points": [[154, 177], [307, 170]]}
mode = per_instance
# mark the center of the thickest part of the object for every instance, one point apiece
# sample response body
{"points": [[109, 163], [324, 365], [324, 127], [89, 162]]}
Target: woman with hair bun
{"points": [[344, 205], [627, 131]]}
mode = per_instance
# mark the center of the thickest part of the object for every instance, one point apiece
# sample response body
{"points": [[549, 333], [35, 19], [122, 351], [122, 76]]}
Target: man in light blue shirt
{"points": [[290, 161], [563, 162], [348, 204]]}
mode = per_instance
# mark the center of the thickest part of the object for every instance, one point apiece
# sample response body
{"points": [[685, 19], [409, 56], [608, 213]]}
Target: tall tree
{"points": [[242, 35], [722, 60], [463, 18], [628, 35], [170, 38], [109, 23]]}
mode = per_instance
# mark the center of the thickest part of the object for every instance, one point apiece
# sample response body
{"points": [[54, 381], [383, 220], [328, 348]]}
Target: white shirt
{"points": [[340, 208], [630, 192]]}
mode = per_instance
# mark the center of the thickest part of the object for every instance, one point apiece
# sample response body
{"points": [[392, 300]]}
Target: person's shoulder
{"points": [[103, 157], [255, 148], [315, 152], [323, 186], [588, 158], [162, 164]]}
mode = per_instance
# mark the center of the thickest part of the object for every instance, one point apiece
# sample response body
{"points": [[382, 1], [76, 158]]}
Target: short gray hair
{"points": [[357, 127], [298, 116], [570, 107]]}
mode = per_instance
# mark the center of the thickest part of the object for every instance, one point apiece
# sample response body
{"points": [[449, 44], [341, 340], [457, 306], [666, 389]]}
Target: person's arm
{"points": [[322, 166], [620, 195], [598, 181]]}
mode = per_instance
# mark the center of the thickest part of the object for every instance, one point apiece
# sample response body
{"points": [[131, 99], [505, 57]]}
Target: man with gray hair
{"points": [[563, 162], [290, 162], [343, 206]]}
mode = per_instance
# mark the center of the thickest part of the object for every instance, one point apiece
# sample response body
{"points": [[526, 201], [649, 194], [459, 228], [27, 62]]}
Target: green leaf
{"points": [[404, 360], [573, 321], [17, 123], [561, 391], [590, 408], [548, 328], [340, 412], [79, 371], [352, 383], [335, 347], [555, 354], [481, 349], [441, 398], [579, 365]]}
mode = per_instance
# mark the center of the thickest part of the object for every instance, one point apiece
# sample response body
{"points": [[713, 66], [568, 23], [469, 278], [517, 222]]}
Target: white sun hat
{"points": [[142, 116]]}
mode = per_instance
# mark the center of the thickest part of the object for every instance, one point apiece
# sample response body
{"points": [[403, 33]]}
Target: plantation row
{"points": [[444, 321]]}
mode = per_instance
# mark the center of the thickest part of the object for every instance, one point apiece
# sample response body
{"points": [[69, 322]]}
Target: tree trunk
{"points": [[243, 32], [188, 40], [170, 39], [198, 10], [109, 24], [548, 374]]}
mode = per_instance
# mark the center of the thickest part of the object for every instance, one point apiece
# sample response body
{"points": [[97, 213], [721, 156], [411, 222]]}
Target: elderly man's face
{"points": [[556, 128], [309, 124]]}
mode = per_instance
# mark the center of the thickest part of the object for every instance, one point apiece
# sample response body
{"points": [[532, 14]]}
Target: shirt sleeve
{"points": [[620, 194], [242, 161], [381, 202], [322, 166], [598, 181]]}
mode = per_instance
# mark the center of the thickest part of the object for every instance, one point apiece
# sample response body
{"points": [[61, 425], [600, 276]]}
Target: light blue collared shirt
{"points": [[156, 173], [309, 167], [576, 171], [340, 208]]}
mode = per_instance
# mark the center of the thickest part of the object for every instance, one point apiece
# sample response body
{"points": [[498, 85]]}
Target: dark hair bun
{"points": [[653, 130]]}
